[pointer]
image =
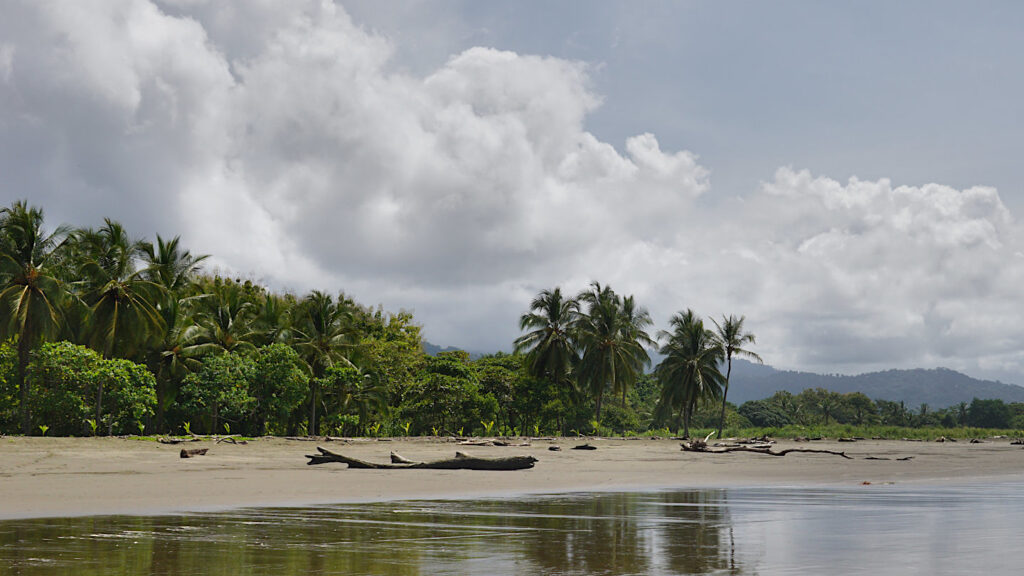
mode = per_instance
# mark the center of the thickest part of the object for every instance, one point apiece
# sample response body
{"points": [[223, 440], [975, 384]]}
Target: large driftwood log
{"points": [[462, 461]]}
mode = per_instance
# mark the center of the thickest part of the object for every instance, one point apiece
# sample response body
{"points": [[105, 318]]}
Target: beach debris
{"points": [[903, 459], [231, 440], [843, 439], [462, 461], [555, 448], [584, 447], [1017, 442], [976, 441], [178, 440], [702, 446], [194, 452], [492, 443]]}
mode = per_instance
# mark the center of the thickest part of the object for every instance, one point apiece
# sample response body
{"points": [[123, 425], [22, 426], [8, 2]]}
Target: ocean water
{"points": [[877, 530]]}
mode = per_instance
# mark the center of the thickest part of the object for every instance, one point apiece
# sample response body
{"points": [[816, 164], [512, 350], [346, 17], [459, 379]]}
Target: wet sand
{"points": [[42, 477]]}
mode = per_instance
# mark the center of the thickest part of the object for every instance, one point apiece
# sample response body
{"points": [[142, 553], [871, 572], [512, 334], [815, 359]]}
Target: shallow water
{"points": [[866, 530]]}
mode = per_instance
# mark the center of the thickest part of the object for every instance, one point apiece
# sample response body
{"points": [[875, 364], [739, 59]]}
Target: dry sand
{"points": [[86, 476]]}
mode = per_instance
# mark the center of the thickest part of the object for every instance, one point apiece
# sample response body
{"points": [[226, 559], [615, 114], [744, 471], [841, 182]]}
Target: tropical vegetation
{"points": [[104, 333]]}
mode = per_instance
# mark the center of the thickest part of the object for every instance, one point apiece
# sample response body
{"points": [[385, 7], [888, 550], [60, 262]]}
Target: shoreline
{"points": [[64, 477]]}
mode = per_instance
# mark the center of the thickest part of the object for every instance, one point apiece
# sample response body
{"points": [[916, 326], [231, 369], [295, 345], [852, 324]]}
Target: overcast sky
{"points": [[846, 175]]}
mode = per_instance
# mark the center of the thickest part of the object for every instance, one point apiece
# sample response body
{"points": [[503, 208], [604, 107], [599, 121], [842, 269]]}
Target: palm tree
{"points": [[123, 319], [30, 300], [611, 340], [224, 319], [170, 266], [550, 351], [689, 371], [733, 339], [323, 339]]}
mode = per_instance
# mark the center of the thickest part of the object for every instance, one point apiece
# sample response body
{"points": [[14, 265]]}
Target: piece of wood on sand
{"points": [[194, 452], [462, 461], [702, 446]]}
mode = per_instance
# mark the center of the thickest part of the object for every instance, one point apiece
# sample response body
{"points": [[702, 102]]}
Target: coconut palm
{"points": [[689, 371], [323, 338], [30, 296], [224, 317], [731, 336], [170, 266], [123, 317], [550, 351], [611, 342]]}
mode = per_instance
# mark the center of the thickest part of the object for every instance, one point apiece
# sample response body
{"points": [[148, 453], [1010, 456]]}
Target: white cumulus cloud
{"points": [[282, 139]]}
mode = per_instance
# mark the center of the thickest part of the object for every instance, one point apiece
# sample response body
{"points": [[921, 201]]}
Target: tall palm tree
{"points": [[324, 338], [634, 323], [689, 372], [611, 342], [550, 350], [123, 317], [731, 336], [30, 297]]}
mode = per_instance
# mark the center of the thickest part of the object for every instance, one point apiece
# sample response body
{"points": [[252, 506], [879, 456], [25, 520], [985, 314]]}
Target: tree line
{"points": [[104, 333]]}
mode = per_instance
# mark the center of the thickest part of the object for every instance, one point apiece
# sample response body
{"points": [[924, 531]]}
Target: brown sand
{"points": [[86, 476]]}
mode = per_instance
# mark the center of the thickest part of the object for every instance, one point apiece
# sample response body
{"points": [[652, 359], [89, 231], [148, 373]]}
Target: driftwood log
{"points": [[699, 446], [462, 461], [192, 453]]}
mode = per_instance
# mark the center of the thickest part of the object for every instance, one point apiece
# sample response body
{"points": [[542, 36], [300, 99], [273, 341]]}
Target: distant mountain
{"points": [[938, 387], [433, 349]]}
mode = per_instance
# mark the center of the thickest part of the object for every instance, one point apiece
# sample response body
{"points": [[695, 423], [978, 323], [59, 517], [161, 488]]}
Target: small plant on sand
{"points": [[461, 428], [488, 427], [536, 430], [92, 425], [43, 428], [141, 427], [434, 430], [188, 429], [375, 429], [406, 426], [227, 428]]}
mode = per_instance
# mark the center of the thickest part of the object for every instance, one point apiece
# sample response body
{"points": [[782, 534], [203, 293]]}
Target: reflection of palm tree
{"points": [[689, 371], [550, 349], [611, 340], [30, 296], [732, 338]]}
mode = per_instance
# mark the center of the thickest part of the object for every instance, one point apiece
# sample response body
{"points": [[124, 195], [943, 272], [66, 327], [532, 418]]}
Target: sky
{"points": [[844, 175]]}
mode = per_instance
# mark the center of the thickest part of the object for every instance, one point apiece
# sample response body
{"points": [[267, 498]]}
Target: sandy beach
{"points": [[41, 477]]}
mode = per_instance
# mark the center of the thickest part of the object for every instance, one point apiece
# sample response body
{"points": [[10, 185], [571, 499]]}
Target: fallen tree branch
{"points": [[462, 461], [192, 453], [698, 446]]}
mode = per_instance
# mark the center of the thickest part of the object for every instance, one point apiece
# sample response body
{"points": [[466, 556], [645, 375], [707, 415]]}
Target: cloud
{"points": [[282, 139]]}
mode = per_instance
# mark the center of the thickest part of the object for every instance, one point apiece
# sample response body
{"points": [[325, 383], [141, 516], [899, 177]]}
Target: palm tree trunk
{"points": [[598, 405], [23, 383], [725, 393], [312, 410]]}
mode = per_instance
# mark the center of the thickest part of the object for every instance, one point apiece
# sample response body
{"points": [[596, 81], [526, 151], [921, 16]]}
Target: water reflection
{"points": [[884, 531]]}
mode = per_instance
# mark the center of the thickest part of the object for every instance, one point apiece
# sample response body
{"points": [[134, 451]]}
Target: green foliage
{"points": [[66, 383], [988, 414], [765, 414], [277, 388], [220, 389]]}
